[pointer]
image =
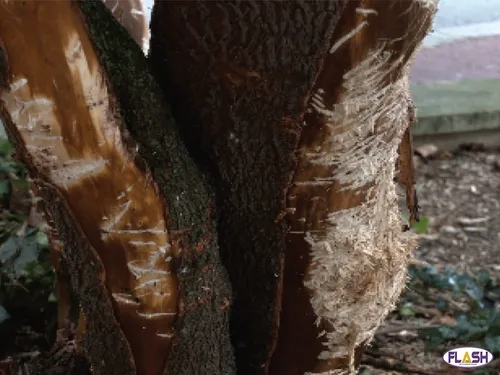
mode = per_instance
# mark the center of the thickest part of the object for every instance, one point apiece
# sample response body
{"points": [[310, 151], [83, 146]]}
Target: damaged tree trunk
{"points": [[295, 112], [299, 120], [140, 242]]}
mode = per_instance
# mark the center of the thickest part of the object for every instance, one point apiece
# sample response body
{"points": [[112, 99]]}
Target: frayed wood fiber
{"points": [[358, 251]]}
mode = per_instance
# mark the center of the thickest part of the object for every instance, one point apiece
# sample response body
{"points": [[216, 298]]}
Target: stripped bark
{"points": [[330, 258], [343, 194], [142, 255], [406, 174], [131, 15]]}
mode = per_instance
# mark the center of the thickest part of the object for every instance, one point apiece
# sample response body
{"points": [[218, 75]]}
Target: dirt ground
{"points": [[460, 194]]}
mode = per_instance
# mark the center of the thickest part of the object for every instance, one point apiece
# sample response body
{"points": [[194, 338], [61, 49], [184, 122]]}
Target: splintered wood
{"points": [[342, 205], [66, 125]]}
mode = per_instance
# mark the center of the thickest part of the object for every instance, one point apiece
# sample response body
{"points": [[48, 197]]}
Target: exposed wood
{"points": [[342, 195], [296, 109], [131, 15], [406, 173], [66, 128]]}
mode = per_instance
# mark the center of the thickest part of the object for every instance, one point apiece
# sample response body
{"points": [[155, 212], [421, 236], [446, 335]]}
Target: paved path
{"points": [[461, 59], [448, 55]]}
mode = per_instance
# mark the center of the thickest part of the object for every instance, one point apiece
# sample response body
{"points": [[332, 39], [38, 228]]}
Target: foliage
{"points": [[26, 274], [469, 306], [421, 226]]}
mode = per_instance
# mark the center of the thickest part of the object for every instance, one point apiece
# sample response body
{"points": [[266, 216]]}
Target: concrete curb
{"points": [[452, 107]]}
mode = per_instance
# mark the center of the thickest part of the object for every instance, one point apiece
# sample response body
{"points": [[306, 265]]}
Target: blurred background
{"points": [[453, 293]]}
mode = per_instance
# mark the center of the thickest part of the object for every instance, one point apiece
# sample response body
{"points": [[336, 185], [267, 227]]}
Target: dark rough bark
{"points": [[64, 358], [4, 69], [202, 344], [239, 75]]}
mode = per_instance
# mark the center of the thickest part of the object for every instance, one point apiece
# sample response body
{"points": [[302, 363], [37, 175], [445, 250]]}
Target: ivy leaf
{"points": [[492, 344], [4, 188], [5, 147], [17, 252], [406, 310], [421, 226]]}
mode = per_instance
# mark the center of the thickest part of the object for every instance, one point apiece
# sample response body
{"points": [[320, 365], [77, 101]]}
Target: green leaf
{"points": [[406, 310], [421, 226], [448, 332], [41, 238], [4, 188], [5, 147], [492, 344], [483, 278], [18, 252], [432, 336], [493, 294], [442, 304]]}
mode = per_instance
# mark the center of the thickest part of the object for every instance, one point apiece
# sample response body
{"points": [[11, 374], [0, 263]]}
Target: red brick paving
{"points": [[466, 58]]}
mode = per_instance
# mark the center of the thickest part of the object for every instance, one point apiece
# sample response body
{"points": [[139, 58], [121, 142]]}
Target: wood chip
{"points": [[427, 150]]}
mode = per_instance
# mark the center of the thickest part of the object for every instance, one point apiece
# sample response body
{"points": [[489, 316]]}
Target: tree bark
{"points": [[239, 91], [131, 15]]}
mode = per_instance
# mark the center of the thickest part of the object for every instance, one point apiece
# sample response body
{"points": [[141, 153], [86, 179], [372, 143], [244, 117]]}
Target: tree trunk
{"points": [[142, 254], [294, 110], [298, 109]]}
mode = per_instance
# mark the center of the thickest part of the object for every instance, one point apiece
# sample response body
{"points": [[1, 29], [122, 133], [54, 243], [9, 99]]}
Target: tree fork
{"points": [[239, 93], [297, 109], [142, 255]]}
